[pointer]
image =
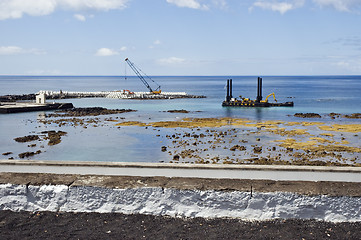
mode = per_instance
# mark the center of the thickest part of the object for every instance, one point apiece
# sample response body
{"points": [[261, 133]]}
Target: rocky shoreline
{"points": [[225, 140], [85, 112], [331, 115], [293, 143]]}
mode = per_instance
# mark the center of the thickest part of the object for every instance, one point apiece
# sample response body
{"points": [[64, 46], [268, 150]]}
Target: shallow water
{"points": [[106, 142]]}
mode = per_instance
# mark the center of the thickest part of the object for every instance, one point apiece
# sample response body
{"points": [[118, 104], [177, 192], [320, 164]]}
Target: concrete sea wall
{"points": [[179, 203], [175, 190]]}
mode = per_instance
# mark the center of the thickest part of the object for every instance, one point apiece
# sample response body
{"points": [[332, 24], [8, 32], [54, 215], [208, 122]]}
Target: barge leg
{"points": [[230, 89], [259, 90], [227, 97]]}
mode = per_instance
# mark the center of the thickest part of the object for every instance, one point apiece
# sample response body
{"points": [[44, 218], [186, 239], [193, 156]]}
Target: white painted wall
{"points": [[182, 203], [40, 98]]}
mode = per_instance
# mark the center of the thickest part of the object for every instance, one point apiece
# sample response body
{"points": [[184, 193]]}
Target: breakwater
{"points": [[122, 94], [148, 95]]}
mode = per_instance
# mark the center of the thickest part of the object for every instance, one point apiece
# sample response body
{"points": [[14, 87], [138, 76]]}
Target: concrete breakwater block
{"points": [[147, 95], [180, 203]]}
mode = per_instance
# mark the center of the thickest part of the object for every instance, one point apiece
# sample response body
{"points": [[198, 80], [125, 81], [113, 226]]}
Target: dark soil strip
{"points": [[50, 225]]}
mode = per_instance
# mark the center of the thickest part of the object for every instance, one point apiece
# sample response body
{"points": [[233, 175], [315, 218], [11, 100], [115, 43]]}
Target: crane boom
{"points": [[137, 72]]}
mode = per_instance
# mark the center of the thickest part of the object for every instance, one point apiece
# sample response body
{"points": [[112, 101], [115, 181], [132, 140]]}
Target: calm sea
{"points": [[316, 94]]}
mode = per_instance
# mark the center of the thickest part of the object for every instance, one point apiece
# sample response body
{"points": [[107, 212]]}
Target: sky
{"points": [[180, 37]]}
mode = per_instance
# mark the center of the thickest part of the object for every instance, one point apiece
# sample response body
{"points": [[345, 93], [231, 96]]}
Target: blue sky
{"points": [[180, 37]]}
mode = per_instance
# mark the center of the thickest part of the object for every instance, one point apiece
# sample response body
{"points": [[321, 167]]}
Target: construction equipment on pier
{"points": [[137, 72], [246, 102]]}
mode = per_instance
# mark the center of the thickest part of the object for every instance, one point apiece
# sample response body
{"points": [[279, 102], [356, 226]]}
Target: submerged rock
{"points": [[237, 147], [91, 111], [28, 138], [307, 115], [28, 154], [178, 111], [334, 115], [257, 149], [353, 115], [54, 137]]}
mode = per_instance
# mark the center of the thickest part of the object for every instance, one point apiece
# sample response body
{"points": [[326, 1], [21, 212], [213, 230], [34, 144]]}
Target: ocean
{"points": [[310, 94]]}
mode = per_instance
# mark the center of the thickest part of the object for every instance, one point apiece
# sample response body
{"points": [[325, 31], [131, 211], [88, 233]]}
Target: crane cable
{"points": [[140, 70], [125, 71], [146, 75]]}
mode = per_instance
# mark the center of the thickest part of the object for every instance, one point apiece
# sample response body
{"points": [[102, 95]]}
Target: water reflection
{"points": [[252, 113], [259, 116]]}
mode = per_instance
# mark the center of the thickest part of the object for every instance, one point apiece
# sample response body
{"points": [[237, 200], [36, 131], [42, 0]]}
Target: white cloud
{"points": [[222, 4], [16, 8], [171, 60], [155, 43], [10, 9], [80, 17], [102, 5], [10, 50], [281, 7], [351, 65], [124, 48], [340, 5], [105, 52], [14, 50], [188, 4]]}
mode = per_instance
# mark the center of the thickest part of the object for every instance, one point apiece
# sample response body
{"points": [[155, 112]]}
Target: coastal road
{"points": [[255, 172]]}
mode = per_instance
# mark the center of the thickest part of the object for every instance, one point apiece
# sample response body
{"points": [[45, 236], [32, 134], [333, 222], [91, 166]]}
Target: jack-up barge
{"points": [[246, 102]]}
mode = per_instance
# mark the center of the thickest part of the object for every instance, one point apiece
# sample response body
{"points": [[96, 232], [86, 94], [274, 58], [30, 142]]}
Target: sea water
{"points": [[310, 94]]}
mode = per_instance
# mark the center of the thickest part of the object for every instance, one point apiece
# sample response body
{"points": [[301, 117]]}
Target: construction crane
{"points": [[137, 72]]}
